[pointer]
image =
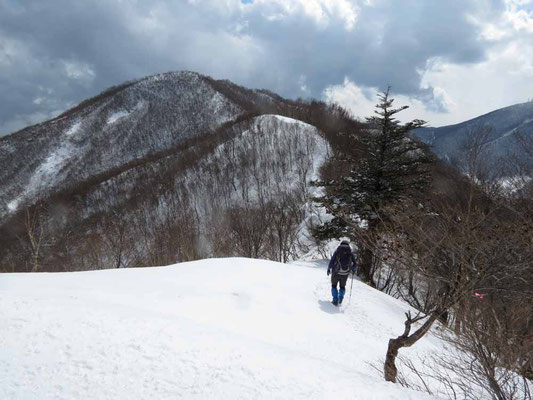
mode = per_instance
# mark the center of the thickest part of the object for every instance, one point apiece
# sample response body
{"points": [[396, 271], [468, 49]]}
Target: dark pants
{"points": [[338, 295], [336, 279]]}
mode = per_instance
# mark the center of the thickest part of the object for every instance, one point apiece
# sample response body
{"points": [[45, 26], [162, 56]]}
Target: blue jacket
{"points": [[334, 257]]}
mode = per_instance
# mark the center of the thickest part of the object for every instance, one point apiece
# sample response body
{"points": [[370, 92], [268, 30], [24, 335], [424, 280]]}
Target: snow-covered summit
{"points": [[125, 123], [122, 125], [221, 328]]}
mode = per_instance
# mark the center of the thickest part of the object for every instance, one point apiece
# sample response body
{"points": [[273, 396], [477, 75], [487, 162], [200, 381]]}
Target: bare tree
{"points": [[526, 143], [406, 339], [454, 252], [247, 228], [118, 242], [34, 232], [495, 349], [473, 152], [283, 227]]}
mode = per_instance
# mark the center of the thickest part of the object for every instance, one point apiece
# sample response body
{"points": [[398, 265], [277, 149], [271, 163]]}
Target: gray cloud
{"points": [[55, 53]]}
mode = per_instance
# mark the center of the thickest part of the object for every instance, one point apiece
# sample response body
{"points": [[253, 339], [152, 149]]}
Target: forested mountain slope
{"points": [[503, 126], [122, 125], [175, 159]]}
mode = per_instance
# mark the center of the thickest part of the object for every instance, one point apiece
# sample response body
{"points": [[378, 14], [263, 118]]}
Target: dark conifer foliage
{"points": [[393, 168]]}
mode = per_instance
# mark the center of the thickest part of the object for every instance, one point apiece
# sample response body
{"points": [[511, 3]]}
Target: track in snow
{"points": [[220, 328]]}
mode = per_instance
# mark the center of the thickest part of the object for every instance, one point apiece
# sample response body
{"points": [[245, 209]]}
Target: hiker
{"points": [[342, 263]]}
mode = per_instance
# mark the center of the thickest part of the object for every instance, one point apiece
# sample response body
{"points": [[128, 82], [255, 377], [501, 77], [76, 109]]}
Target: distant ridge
{"points": [[505, 123]]}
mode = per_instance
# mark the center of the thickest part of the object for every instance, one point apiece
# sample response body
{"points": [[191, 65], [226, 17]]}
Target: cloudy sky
{"points": [[450, 60]]}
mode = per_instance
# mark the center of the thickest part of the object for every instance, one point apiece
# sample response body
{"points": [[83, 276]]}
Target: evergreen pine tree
{"points": [[394, 169]]}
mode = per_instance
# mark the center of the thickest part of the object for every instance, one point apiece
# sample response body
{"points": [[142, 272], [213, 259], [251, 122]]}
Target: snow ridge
{"points": [[245, 329]]}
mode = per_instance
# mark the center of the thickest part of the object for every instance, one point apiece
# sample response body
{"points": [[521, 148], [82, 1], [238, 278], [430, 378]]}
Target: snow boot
{"points": [[341, 295], [335, 295]]}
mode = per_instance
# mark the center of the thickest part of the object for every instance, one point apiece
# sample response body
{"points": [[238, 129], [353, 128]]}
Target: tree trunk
{"points": [[390, 366], [458, 317], [495, 387], [364, 267], [405, 340]]}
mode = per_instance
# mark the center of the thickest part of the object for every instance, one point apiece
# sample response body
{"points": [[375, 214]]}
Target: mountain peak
{"points": [[128, 122], [172, 75]]}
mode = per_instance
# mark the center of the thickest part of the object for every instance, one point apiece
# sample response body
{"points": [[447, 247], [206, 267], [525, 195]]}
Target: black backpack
{"points": [[344, 259]]}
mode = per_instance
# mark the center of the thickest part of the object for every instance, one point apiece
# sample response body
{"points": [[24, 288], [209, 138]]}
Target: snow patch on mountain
{"points": [[45, 174], [117, 115], [517, 129], [73, 129], [13, 205], [49, 168], [217, 105], [291, 121]]}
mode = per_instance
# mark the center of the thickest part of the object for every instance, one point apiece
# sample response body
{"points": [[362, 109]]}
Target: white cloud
{"points": [[503, 79], [466, 90], [361, 102], [464, 57], [352, 97], [322, 12], [79, 71], [519, 13]]}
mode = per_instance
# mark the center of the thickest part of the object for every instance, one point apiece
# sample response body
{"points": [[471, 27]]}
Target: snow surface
{"points": [[516, 129], [13, 205], [44, 175], [288, 153], [220, 328], [117, 115], [73, 129], [293, 121], [49, 169]]}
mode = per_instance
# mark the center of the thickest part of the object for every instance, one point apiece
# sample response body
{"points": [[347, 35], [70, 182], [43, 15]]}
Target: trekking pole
{"points": [[350, 296]]}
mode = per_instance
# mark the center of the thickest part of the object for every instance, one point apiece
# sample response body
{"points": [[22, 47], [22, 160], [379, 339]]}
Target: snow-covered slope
{"points": [[258, 163], [271, 159], [143, 160], [109, 132], [214, 329], [505, 122]]}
